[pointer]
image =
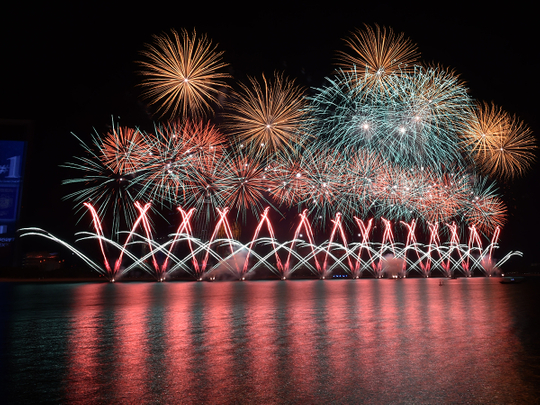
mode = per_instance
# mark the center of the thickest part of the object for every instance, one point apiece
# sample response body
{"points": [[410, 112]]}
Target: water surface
{"points": [[312, 341]]}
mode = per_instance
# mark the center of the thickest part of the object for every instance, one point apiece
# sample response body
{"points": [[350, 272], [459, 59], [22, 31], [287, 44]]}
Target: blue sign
{"points": [[11, 166]]}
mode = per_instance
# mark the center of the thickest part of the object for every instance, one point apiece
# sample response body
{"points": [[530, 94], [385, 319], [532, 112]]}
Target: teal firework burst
{"points": [[415, 119]]}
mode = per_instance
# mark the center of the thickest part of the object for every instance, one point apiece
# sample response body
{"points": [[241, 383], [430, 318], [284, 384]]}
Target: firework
{"points": [[314, 181], [243, 185], [203, 187], [266, 118], [414, 121], [325, 183], [488, 125], [513, 153], [201, 139], [383, 139], [442, 195], [106, 180], [161, 260], [182, 158], [432, 108], [378, 52], [484, 208], [182, 74], [124, 150], [164, 174], [502, 146], [362, 171], [286, 181]]}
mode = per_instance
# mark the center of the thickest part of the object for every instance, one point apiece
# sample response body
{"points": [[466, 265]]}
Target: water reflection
{"points": [[264, 343], [83, 368], [345, 341], [35, 342], [131, 342], [179, 326]]}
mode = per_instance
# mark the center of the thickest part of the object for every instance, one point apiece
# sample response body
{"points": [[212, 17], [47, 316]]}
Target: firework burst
{"points": [[502, 146], [244, 185], [164, 174], [203, 185], [378, 52], [484, 208], [182, 74], [182, 159], [414, 121], [107, 180], [513, 153], [324, 182], [384, 138], [266, 118], [286, 181], [124, 150]]}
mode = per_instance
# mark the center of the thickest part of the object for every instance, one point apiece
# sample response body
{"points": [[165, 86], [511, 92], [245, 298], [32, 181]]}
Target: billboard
{"points": [[12, 156]]}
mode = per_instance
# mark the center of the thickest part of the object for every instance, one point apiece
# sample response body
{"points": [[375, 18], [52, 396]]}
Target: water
{"points": [[335, 341]]}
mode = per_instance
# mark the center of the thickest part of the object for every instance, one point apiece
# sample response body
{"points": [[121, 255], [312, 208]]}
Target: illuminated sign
{"points": [[11, 165]]}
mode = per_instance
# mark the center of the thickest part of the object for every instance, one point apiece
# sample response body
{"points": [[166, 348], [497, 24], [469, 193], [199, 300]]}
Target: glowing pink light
{"points": [[185, 227], [337, 225], [451, 257], [264, 220], [433, 241], [99, 231], [454, 245], [304, 223], [388, 236], [494, 240], [225, 223], [364, 230], [146, 226], [142, 214], [411, 240]]}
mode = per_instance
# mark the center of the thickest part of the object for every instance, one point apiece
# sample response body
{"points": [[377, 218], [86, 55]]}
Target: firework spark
{"points": [[124, 150], [378, 52], [106, 181], [266, 118], [244, 185], [384, 138], [182, 74], [513, 153], [502, 145], [485, 209], [182, 156], [414, 121]]}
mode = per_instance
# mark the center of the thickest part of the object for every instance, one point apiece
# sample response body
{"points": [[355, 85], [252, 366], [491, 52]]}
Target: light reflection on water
{"points": [[312, 341]]}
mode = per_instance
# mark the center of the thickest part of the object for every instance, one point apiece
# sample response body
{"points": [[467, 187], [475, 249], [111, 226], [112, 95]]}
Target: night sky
{"points": [[72, 69]]}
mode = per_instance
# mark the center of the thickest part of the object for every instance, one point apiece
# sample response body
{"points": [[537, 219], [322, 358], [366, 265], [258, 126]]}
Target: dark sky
{"points": [[69, 69]]}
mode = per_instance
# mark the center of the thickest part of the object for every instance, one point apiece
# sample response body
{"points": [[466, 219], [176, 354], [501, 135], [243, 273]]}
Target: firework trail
{"points": [[484, 208]]}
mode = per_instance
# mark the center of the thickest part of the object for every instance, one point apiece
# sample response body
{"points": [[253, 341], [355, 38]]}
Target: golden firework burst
{"points": [[266, 118], [488, 124], [378, 52], [182, 74], [501, 144]]}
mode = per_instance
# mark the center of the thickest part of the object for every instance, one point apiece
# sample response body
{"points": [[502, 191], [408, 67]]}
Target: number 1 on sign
{"points": [[14, 167]]}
